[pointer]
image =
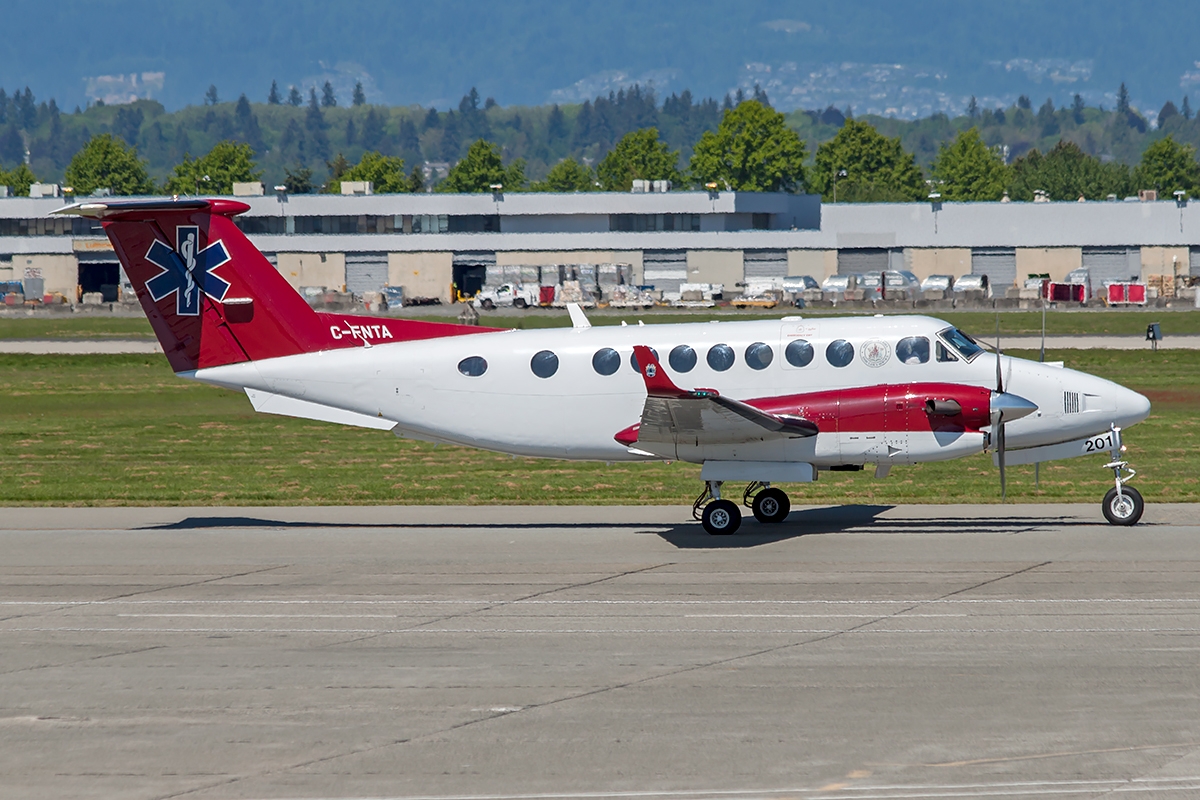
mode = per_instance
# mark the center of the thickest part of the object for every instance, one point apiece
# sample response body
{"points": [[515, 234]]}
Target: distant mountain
{"points": [[897, 57]]}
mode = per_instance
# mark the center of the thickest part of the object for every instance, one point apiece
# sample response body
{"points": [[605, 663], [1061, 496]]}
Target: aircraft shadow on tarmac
{"points": [[801, 522]]}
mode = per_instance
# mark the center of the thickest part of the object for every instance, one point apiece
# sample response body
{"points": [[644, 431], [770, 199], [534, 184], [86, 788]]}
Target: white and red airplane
{"points": [[773, 401]]}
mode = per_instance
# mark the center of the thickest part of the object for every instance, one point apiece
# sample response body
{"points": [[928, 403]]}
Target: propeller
{"points": [[998, 417]]}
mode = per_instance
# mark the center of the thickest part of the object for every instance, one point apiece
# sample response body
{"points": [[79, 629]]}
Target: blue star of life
{"points": [[185, 272]]}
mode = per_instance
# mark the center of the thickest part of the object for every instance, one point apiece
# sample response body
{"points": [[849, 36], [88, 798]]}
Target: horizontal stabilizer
{"points": [[270, 403]]}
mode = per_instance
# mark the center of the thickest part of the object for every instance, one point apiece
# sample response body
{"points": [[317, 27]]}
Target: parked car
{"points": [[976, 283], [507, 295], [937, 283]]}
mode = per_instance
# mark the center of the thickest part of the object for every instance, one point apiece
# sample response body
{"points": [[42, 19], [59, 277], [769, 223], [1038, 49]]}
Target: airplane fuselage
{"points": [[566, 393]]}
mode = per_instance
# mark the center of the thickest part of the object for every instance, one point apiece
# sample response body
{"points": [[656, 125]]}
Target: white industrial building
{"points": [[429, 243]]}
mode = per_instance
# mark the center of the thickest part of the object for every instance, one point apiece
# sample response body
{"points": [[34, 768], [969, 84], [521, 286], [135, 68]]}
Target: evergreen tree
{"points": [[372, 130], [1077, 109], [760, 96], [582, 136], [1024, 102], [298, 179], [351, 132], [273, 96], [1047, 120], [26, 109], [481, 168], [1123, 100], [210, 97], [1166, 112], [970, 170], [877, 168], [215, 173], [640, 155], [106, 162], [556, 124], [246, 124], [328, 99], [407, 142], [973, 108], [294, 98], [360, 97], [1186, 108], [416, 180], [451, 139], [3, 106], [128, 123], [753, 150]]}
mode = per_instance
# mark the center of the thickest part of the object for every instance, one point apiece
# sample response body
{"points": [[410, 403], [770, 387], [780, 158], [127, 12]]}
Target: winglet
{"points": [[657, 382]]}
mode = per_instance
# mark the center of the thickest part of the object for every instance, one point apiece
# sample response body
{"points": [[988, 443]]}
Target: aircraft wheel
{"points": [[488, 305], [721, 517], [771, 505], [1125, 509], [520, 302]]}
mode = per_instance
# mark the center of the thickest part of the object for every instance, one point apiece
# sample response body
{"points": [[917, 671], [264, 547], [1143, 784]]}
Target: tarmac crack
{"points": [[504, 603], [84, 660]]}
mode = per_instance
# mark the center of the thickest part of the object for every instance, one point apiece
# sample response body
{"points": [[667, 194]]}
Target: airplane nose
{"points": [[1011, 406], [1132, 407]]}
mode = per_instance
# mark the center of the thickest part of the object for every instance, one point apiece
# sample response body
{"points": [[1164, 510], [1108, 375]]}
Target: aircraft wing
{"points": [[702, 416]]}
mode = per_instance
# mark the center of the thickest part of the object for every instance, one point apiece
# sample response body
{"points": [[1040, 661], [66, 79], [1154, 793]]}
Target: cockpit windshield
{"points": [[965, 345]]}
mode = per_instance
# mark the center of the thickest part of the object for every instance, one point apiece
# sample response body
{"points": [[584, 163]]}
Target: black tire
{"points": [[721, 517], [771, 505], [488, 305], [1127, 509], [520, 302]]}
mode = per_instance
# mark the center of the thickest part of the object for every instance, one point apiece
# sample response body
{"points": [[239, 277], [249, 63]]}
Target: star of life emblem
{"points": [[875, 353], [185, 272]]}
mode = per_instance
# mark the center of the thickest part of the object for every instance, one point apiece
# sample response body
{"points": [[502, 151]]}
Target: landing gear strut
{"points": [[719, 517], [1123, 505], [768, 504]]}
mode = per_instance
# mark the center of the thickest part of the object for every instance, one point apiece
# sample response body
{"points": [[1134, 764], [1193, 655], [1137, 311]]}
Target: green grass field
{"points": [[1012, 323], [123, 430]]}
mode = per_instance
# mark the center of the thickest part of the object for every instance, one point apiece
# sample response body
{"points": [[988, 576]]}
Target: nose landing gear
{"points": [[1123, 505]]}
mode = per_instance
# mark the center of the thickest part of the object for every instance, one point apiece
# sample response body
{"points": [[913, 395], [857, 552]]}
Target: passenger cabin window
{"points": [[799, 353], [720, 357], [682, 358], [759, 355], [633, 360], [473, 366], [839, 353], [965, 345], [606, 361], [544, 364], [944, 355], [913, 350]]}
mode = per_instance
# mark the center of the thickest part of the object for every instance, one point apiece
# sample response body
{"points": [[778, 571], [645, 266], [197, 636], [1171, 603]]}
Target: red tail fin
{"points": [[213, 298]]}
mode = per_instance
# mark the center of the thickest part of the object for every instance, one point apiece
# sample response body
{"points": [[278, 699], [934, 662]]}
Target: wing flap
{"points": [[673, 416]]}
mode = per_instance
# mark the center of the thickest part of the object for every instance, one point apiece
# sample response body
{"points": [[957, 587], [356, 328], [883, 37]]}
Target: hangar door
{"points": [[100, 272], [366, 272], [998, 263], [863, 259], [470, 270], [665, 270], [764, 264], [1194, 261], [1111, 264]]}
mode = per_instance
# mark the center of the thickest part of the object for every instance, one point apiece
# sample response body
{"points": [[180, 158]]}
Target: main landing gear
{"points": [[1123, 505], [722, 517]]}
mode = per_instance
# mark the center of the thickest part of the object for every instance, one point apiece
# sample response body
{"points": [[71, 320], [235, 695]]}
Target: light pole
{"points": [[841, 173]]}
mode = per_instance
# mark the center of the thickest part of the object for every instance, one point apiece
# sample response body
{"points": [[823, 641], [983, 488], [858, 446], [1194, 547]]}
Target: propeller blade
{"points": [[999, 375], [1000, 458]]}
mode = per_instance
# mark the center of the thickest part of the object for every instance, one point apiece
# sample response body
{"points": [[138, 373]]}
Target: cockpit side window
{"points": [[959, 341]]}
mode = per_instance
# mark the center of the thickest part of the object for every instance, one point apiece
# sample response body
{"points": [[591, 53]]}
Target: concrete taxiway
{"points": [[861, 652]]}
